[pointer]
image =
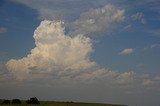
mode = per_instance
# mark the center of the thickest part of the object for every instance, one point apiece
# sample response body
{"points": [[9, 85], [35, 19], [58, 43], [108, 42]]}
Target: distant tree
{"points": [[1, 100], [16, 101], [33, 100], [28, 102], [6, 102]]}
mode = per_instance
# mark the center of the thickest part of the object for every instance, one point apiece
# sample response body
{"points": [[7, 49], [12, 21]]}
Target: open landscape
{"points": [[80, 52], [50, 103]]}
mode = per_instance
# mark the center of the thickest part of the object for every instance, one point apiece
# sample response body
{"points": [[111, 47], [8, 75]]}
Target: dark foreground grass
{"points": [[63, 104]]}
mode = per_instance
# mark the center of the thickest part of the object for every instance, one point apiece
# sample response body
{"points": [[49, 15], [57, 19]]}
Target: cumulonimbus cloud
{"points": [[54, 52], [60, 57], [65, 57]]}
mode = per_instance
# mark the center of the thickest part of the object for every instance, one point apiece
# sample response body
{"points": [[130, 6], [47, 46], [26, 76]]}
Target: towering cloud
{"points": [[60, 54], [58, 57], [54, 52]]}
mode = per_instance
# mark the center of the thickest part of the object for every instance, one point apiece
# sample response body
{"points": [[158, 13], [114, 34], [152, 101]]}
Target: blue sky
{"points": [[17, 19], [131, 44]]}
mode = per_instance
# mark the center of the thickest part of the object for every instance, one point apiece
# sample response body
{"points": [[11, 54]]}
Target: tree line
{"points": [[32, 100]]}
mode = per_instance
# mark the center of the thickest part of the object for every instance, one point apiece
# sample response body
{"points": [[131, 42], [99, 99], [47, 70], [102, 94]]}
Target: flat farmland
{"points": [[62, 104]]}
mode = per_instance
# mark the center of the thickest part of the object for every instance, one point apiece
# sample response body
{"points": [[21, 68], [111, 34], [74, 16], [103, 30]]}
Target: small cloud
{"points": [[139, 17], [143, 21], [157, 78], [140, 65], [125, 78], [3, 29], [153, 46], [147, 82], [127, 51]]}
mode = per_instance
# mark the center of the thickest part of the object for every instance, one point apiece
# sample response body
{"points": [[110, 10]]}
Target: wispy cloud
{"points": [[126, 27], [139, 16], [98, 20], [153, 46], [54, 9], [127, 51]]}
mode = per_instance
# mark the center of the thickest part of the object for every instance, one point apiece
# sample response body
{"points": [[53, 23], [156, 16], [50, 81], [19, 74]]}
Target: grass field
{"points": [[62, 104]]}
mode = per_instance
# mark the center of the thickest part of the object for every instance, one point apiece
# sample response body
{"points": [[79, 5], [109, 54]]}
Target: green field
{"points": [[63, 104]]}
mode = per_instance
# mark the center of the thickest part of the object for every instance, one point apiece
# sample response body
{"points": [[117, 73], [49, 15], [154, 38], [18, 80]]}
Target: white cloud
{"points": [[155, 46], [126, 51], [54, 51], [3, 29], [147, 82], [93, 20], [61, 59], [4, 75], [57, 9], [60, 9], [96, 20], [125, 78], [139, 17], [61, 56]]}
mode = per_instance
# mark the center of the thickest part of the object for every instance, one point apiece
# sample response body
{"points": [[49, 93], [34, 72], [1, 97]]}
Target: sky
{"points": [[100, 51]]}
